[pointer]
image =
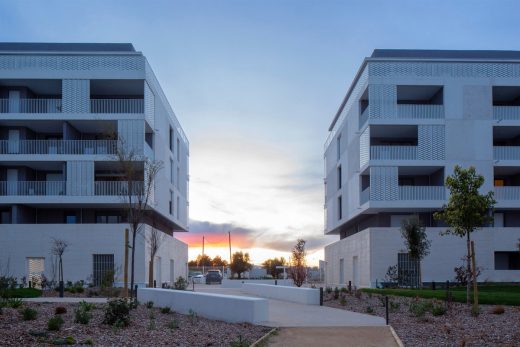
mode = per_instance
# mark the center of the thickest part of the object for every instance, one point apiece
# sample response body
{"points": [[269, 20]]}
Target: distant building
{"points": [[63, 108], [408, 118]]}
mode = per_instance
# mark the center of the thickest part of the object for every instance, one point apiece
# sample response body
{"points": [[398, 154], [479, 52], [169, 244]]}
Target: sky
{"points": [[255, 85]]}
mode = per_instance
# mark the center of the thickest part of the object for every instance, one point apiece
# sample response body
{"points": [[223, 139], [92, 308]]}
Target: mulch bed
{"points": [[457, 327], [148, 327]]}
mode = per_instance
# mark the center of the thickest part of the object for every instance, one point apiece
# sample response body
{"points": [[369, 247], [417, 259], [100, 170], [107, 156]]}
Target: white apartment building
{"points": [[64, 109], [408, 118]]}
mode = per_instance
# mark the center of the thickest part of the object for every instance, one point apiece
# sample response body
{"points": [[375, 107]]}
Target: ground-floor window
{"points": [[103, 269], [507, 260], [407, 270], [35, 270]]}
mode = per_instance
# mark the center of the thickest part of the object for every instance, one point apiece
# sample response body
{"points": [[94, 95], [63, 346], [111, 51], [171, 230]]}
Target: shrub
{"points": [[86, 306], [60, 310], [134, 303], [328, 290], [193, 316], [357, 293], [370, 310], [343, 300], [394, 306], [343, 290], [498, 309], [69, 340], [180, 283], [419, 308], [174, 324], [149, 304], [438, 310], [165, 310], [117, 313], [29, 313], [88, 341], [82, 316], [14, 303], [55, 323], [336, 293]]}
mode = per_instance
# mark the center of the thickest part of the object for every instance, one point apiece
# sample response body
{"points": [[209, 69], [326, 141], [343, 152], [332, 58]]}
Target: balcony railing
{"points": [[30, 106], [363, 118], [116, 106], [28, 188], [507, 193], [506, 112], [420, 111], [58, 147], [119, 188], [422, 193], [506, 152], [365, 196], [393, 152]]}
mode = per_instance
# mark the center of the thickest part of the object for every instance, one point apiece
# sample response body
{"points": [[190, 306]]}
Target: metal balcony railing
{"points": [[393, 152], [58, 147], [506, 152], [116, 106], [420, 111], [28, 188], [30, 106], [506, 112], [507, 193], [119, 188], [422, 193]]}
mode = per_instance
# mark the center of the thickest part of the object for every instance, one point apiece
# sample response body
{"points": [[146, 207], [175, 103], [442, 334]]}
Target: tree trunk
{"points": [[419, 275], [150, 274], [468, 268], [134, 231]]}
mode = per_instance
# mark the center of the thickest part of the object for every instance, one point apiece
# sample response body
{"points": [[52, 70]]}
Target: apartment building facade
{"points": [[66, 110], [408, 118]]}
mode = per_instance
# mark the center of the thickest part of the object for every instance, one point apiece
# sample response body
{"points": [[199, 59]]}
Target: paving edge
{"points": [[396, 337], [264, 338]]}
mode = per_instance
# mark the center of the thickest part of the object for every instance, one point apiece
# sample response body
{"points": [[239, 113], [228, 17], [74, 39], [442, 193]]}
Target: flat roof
{"points": [[444, 54], [27, 47]]}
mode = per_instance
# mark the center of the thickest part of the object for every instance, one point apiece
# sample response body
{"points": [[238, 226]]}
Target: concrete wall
{"points": [[229, 308], [226, 283], [306, 296], [377, 249]]}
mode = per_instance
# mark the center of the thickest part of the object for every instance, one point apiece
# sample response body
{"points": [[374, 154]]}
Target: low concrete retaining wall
{"points": [[229, 308], [307, 296], [226, 283]]}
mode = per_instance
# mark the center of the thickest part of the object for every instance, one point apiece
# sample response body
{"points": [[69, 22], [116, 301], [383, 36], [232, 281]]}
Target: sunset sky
{"points": [[255, 85]]}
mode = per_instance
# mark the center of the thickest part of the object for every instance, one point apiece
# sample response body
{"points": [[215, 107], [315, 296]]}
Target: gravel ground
{"points": [[455, 328], [148, 327]]}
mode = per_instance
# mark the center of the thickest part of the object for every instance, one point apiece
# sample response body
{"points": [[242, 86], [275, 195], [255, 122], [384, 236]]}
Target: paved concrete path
{"points": [[334, 336], [67, 300], [289, 314]]}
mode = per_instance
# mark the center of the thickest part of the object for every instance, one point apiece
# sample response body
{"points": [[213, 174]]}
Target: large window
{"points": [[338, 147], [102, 269], [171, 139], [35, 270], [340, 208], [171, 202], [171, 171], [507, 260], [339, 177]]}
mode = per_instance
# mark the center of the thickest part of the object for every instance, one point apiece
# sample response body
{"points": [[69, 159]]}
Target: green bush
{"points": [[343, 300], [165, 310], [29, 313], [328, 290], [394, 306], [86, 306], [336, 293], [69, 340], [343, 289], [117, 313], [174, 324], [370, 310], [180, 283], [149, 304], [419, 308], [55, 323], [82, 316], [14, 303], [438, 310]]}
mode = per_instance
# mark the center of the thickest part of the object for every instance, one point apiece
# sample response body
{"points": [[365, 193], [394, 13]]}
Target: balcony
{"points": [[30, 106], [78, 147], [420, 111], [32, 188], [422, 193], [506, 113], [393, 152], [507, 193], [116, 106], [506, 152], [117, 188]]}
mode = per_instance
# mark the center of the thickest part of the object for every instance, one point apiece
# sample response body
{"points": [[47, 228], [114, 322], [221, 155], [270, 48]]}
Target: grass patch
{"points": [[488, 294], [21, 293]]}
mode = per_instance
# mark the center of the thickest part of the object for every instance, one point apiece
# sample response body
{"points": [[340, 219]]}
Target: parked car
{"points": [[196, 277], [213, 276]]}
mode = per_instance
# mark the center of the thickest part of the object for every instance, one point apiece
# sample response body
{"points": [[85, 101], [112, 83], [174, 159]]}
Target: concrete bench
{"points": [[307, 296], [229, 308]]}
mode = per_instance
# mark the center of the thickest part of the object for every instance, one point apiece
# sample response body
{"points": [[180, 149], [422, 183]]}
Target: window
{"points": [[108, 219], [339, 177], [507, 260], [171, 139], [178, 150], [70, 219], [171, 171], [171, 202], [340, 208], [178, 171], [499, 183], [178, 208], [35, 270], [103, 269], [338, 147]]}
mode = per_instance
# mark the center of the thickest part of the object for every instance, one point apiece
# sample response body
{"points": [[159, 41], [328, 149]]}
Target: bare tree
{"points": [[138, 177], [58, 248], [154, 240]]}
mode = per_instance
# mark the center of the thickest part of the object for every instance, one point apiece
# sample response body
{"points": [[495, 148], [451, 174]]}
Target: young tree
{"points": [[466, 209], [416, 241], [204, 260], [58, 248], [270, 266], [218, 261], [240, 263], [154, 240], [138, 175], [298, 268]]}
